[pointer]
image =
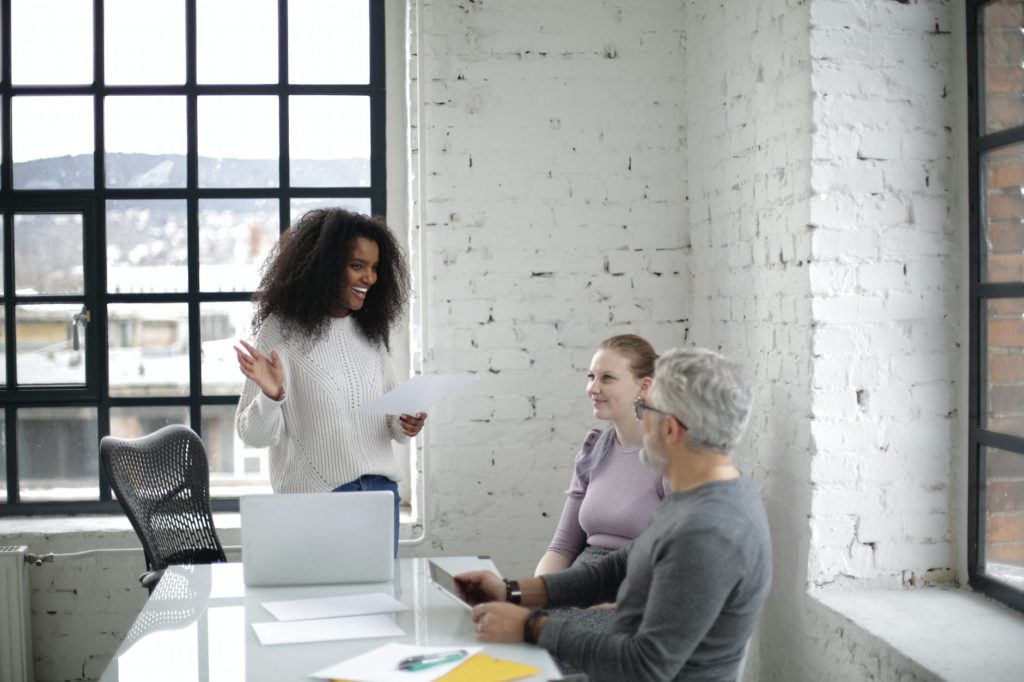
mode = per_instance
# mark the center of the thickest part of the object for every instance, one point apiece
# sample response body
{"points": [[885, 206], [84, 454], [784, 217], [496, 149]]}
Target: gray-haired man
{"points": [[690, 589]]}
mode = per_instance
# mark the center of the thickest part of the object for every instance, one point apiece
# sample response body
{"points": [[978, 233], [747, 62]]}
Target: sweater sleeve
{"points": [[677, 615], [570, 538], [589, 583], [259, 419], [390, 381]]}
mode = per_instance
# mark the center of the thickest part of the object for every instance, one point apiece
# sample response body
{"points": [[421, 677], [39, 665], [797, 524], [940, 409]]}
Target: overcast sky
{"points": [[236, 42]]}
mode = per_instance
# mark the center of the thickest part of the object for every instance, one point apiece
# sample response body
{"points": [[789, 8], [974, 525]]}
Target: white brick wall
{"points": [[550, 212], [824, 253], [749, 151], [881, 213]]}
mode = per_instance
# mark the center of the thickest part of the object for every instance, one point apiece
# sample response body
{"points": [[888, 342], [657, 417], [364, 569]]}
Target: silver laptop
{"points": [[317, 538]]}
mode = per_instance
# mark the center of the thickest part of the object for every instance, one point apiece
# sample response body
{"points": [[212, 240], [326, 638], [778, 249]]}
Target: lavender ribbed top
{"points": [[609, 507]]}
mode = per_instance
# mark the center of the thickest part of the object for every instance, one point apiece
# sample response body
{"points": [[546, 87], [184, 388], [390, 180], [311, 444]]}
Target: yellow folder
{"points": [[484, 668]]}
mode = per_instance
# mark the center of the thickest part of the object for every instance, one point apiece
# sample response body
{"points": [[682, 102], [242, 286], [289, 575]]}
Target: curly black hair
{"points": [[302, 277]]}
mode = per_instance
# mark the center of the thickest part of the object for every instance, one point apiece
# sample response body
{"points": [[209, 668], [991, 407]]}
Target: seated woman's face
{"points": [[611, 386]]}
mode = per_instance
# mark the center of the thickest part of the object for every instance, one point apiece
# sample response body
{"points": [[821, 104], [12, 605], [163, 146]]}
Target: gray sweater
{"points": [[689, 591]]}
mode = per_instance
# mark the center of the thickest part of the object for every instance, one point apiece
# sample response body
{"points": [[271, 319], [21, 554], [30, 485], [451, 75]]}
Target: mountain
{"points": [[146, 171]]}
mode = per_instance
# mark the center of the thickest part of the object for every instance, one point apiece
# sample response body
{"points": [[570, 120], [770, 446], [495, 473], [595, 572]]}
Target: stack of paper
{"points": [[357, 616]]}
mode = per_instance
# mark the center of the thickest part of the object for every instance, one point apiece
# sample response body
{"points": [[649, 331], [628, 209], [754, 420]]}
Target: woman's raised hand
{"points": [[265, 372]]}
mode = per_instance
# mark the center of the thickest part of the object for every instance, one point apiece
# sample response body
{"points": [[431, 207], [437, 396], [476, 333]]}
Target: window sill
{"points": [[950, 634], [51, 533]]}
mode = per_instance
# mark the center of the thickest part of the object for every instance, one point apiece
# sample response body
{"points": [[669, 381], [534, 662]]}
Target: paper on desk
{"points": [[484, 668], [416, 394], [334, 607], [381, 664], [327, 629]]}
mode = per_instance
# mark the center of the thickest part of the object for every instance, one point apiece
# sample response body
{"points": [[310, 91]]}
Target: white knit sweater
{"points": [[317, 442]]}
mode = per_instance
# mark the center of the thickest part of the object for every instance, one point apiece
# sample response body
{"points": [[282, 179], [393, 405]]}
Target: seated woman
{"points": [[612, 494]]}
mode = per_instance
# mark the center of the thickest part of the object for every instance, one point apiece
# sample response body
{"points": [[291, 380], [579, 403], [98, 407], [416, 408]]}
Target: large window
{"points": [[152, 152], [996, 420]]}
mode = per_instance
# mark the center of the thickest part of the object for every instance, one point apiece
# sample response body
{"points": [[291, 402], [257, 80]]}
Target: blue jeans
{"points": [[374, 482]]}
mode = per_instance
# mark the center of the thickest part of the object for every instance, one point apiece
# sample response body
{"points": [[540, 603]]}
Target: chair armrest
{"points": [[149, 579]]}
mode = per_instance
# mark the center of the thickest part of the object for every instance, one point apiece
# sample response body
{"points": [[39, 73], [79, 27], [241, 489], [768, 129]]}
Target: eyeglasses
{"points": [[639, 406]]}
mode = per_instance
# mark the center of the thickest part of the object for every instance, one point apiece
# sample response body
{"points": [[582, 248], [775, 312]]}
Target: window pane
{"points": [[235, 236], [145, 141], [148, 349], [134, 422], [144, 42], [223, 324], [1004, 404], [1004, 516], [239, 141], [51, 42], [53, 142], [1003, 222], [147, 246], [58, 453], [328, 41], [46, 354], [301, 206], [235, 468], [329, 141], [1001, 24], [236, 41], [48, 253]]}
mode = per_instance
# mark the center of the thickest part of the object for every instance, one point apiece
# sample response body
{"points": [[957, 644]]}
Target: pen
{"points": [[427, 660]]}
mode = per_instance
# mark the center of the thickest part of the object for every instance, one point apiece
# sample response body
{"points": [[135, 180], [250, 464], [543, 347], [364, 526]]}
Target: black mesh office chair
{"points": [[163, 484]]}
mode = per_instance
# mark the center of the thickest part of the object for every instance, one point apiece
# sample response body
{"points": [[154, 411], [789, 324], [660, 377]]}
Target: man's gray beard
{"points": [[655, 463]]}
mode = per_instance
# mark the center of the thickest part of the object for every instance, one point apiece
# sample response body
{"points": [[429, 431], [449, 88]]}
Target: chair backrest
{"points": [[163, 484]]}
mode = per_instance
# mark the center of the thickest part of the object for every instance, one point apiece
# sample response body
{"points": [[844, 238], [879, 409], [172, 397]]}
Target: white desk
{"points": [[196, 626]]}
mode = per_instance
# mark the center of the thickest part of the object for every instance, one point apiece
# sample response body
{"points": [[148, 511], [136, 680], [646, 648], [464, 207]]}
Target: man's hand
{"points": [[478, 587], [499, 622]]}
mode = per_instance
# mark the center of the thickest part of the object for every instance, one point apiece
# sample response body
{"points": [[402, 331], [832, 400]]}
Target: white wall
{"points": [[550, 213], [749, 155], [825, 252]]}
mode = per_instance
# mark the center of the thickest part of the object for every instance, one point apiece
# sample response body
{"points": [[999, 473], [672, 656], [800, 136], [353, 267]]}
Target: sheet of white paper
{"points": [[381, 664], [327, 629], [416, 394], [334, 607]]}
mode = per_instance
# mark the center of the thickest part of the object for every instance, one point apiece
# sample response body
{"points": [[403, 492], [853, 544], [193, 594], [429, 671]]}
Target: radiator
{"points": [[15, 623]]}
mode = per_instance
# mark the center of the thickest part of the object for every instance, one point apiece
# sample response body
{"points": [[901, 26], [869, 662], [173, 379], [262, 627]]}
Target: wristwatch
{"points": [[513, 594]]}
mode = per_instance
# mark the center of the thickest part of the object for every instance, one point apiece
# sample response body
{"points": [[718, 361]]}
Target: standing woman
{"points": [[333, 288]]}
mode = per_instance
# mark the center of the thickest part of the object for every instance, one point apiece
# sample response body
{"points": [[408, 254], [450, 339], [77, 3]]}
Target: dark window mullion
{"points": [[1002, 441], [974, 488], [6, 183], [11, 429]]}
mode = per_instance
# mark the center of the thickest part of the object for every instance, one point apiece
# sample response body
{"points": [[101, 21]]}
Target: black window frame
{"points": [[980, 292], [92, 203]]}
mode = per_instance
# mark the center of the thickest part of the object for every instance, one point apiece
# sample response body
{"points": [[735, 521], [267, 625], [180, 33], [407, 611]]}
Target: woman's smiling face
{"points": [[611, 386], [360, 274]]}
